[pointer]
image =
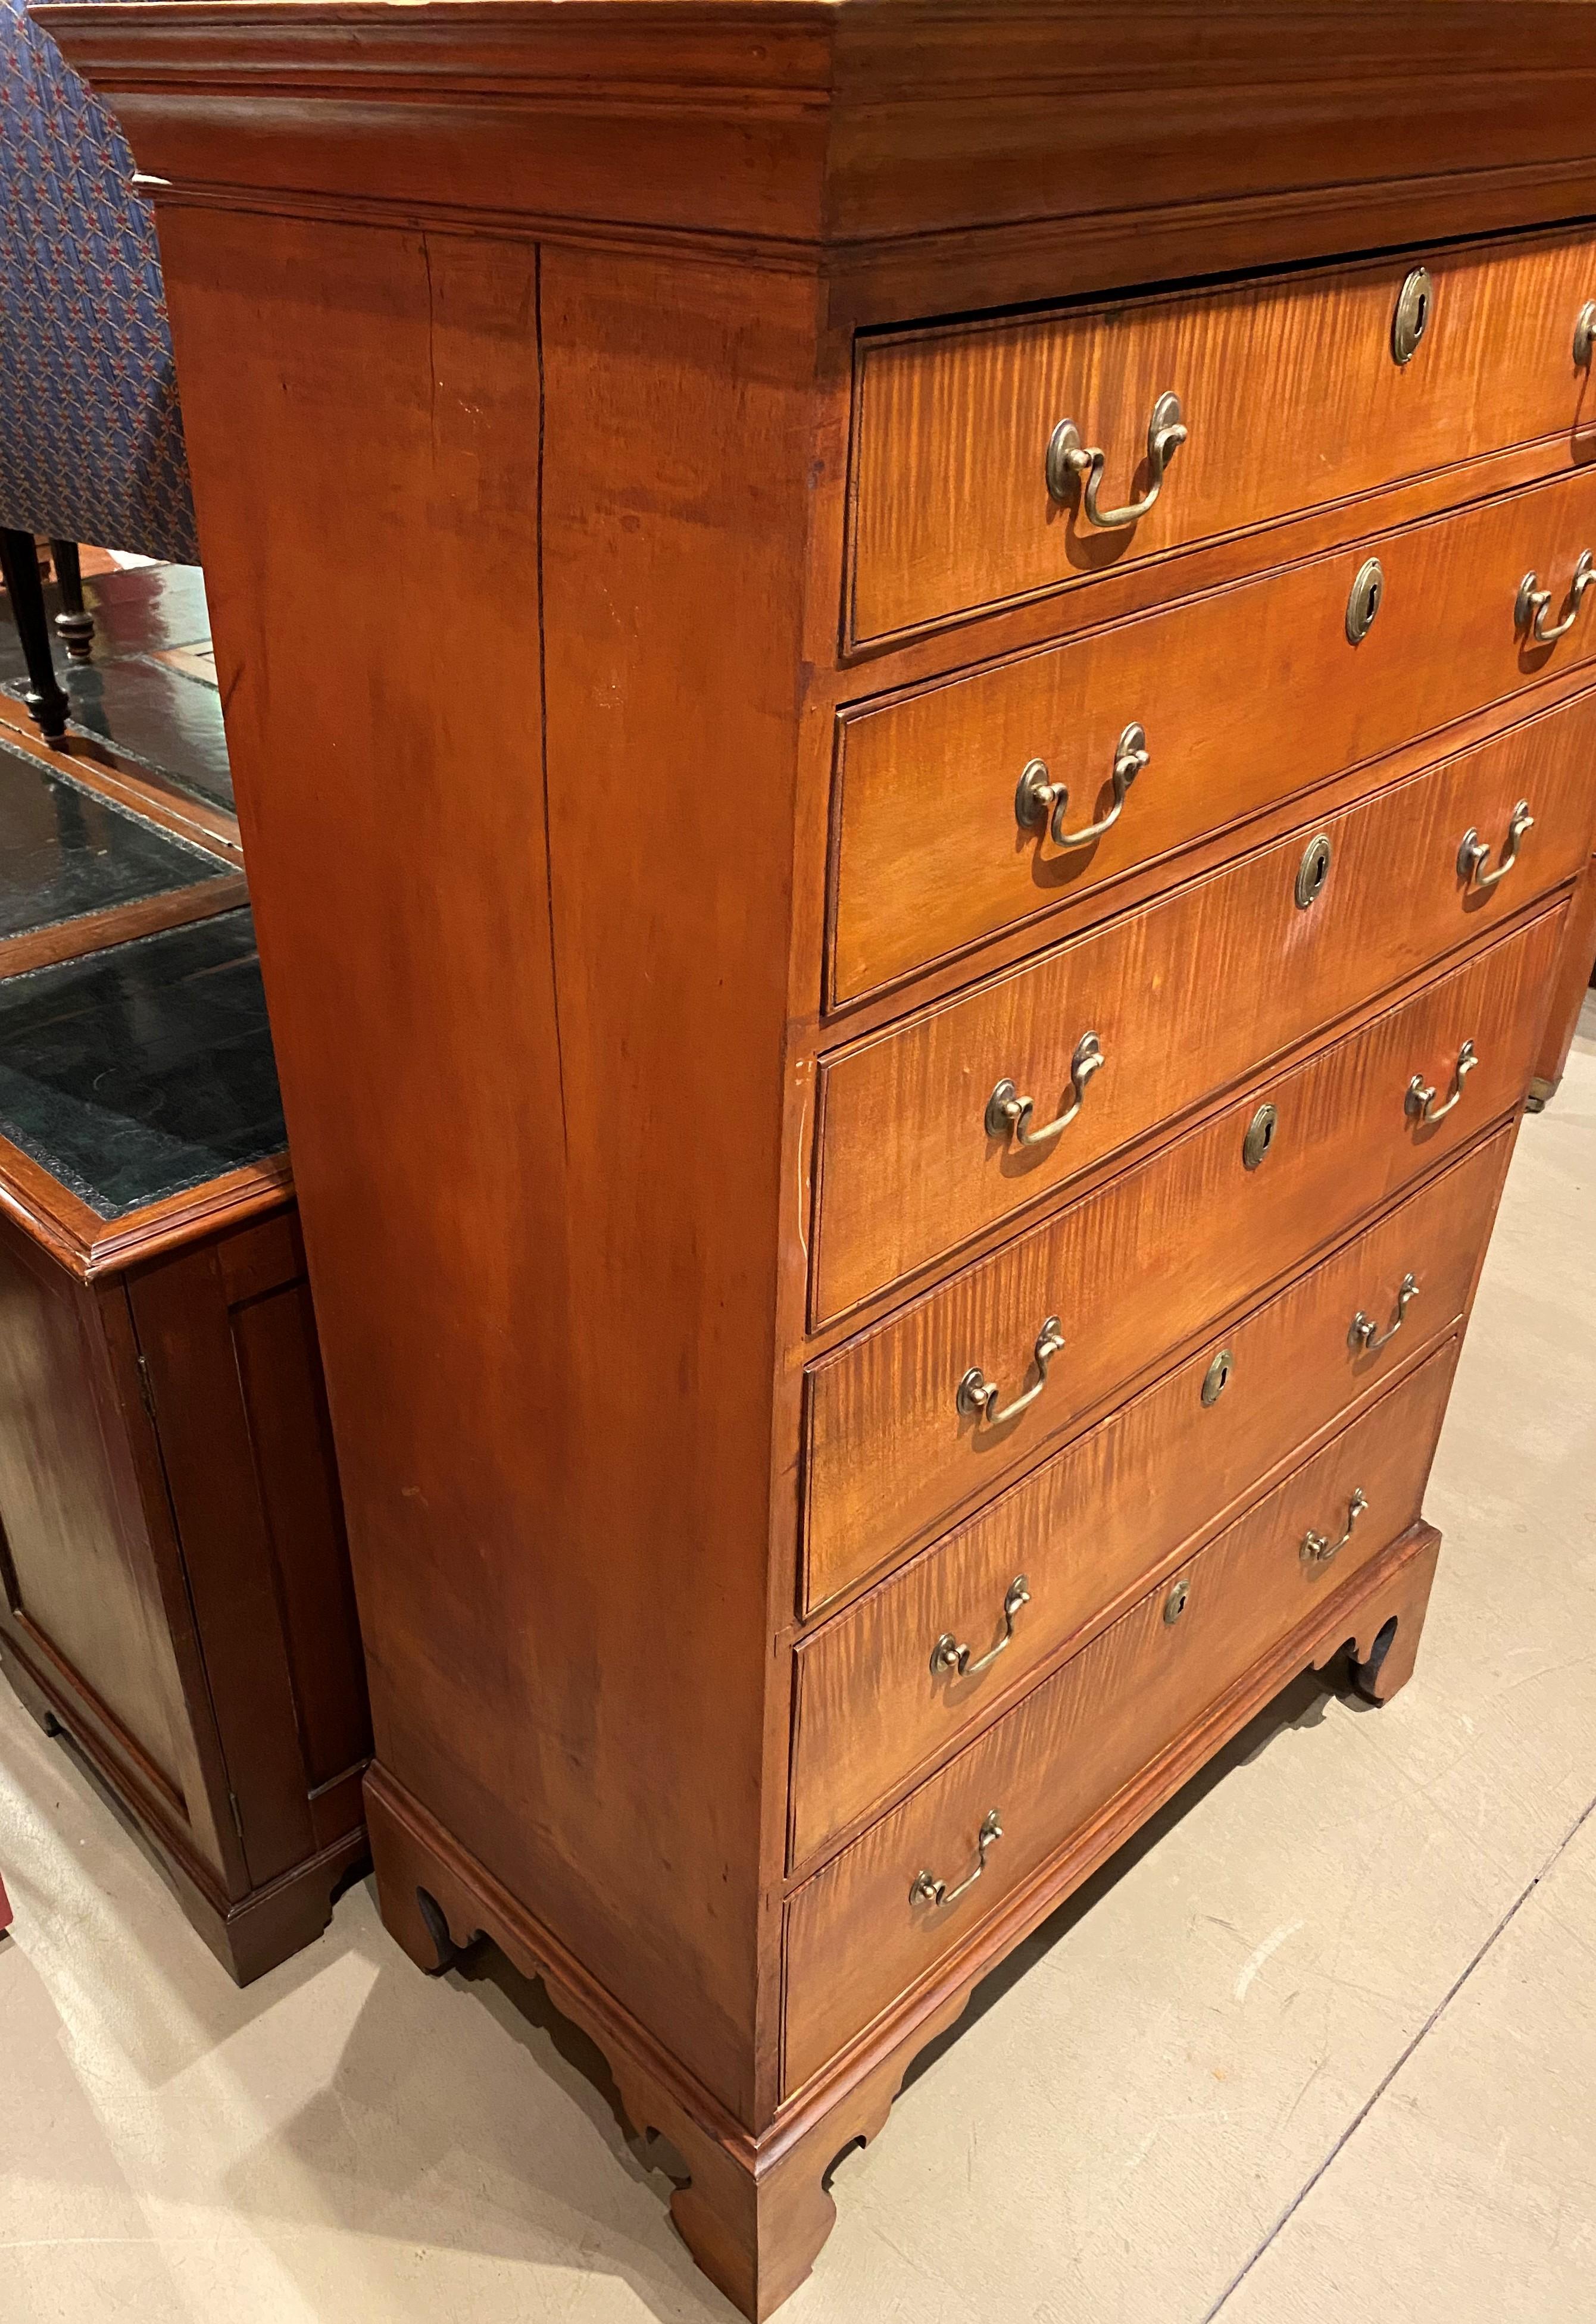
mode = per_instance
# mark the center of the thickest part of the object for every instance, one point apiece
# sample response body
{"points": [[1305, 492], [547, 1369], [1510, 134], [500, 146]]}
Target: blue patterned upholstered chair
{"points": [[91, 437]]}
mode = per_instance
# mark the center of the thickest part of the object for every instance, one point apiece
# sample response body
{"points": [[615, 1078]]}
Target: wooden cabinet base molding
{"points": [[1027, 577], [756, 2210]]}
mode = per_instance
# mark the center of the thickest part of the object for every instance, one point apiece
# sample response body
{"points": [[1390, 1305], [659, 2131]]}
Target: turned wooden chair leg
{"points": [[74, 624], [19, 567]]}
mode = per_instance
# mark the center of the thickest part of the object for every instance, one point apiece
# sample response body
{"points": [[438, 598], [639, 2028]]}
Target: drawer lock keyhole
{"points": [[1368, 591], [1313, 871], [1261, 1136], [1174, 1604], [1408, 325], [1217, 1377]]}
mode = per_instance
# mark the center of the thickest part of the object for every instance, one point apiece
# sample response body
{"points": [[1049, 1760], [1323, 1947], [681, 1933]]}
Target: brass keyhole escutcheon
{"points": [[1174, 1604], [1217, 1377], [1313, 871], [1261, 1136], [1368, 589], [1414, 302]]}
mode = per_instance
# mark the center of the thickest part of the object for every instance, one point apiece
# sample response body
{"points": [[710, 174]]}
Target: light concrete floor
{"points": [[1322, 2046]]}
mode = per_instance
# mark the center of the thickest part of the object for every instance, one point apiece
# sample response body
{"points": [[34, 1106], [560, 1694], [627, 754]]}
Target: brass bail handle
{"points": [[929, 1890], [1421, 1095], [1365, 1336], [977, 1396], [1317, 1549], [948, 1655], [1009, 1115], [1474, 854], [1533, 604], [1036, 794], [1070, 463]]}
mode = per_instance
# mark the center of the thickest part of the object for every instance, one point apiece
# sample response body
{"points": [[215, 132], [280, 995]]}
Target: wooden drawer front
{"points": [[1289, 391], [1182, 997], [855, 1939], [1090, 1526], [1246, 696], [1141, 1264]]}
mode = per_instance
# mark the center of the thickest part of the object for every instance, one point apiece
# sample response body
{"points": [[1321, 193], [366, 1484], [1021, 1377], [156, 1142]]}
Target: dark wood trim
{"points": [[90, 1246], [100, 766], [249, 1934], [70, 939], [182, 1317], [221, 1497], [90, 1718], [1028, 262], [337, 1807], [74, 624]]}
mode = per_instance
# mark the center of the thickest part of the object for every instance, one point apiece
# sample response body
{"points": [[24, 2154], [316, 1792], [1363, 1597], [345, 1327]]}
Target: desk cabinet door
{"points": [[229, 1343], [88, 1608]]}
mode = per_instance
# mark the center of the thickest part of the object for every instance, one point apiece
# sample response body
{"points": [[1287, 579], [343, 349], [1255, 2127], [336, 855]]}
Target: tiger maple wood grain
{"points": [[1206, 984], [1152, 1256], [855, 1939], [1094, 1520], [1247, 696], [952, 507]]}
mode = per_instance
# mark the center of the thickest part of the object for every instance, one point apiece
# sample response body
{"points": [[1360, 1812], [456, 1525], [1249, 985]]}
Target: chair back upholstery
{"points": [[91, 436]]}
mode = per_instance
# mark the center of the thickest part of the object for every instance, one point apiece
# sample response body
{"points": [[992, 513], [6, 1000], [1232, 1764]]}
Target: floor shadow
{"points": [[473, 2153], [431, 2132], [1302, 1704], [164, 1999]]}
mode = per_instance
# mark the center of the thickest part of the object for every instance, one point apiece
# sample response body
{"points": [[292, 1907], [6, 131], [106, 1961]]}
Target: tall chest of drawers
{"points": [[912, 697]]}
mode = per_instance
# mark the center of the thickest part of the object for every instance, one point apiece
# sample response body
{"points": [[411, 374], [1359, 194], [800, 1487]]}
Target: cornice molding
{"points": [[846, 136]]}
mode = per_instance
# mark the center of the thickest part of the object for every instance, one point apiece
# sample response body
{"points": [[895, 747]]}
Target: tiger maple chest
{"points": [[911, 688]]}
